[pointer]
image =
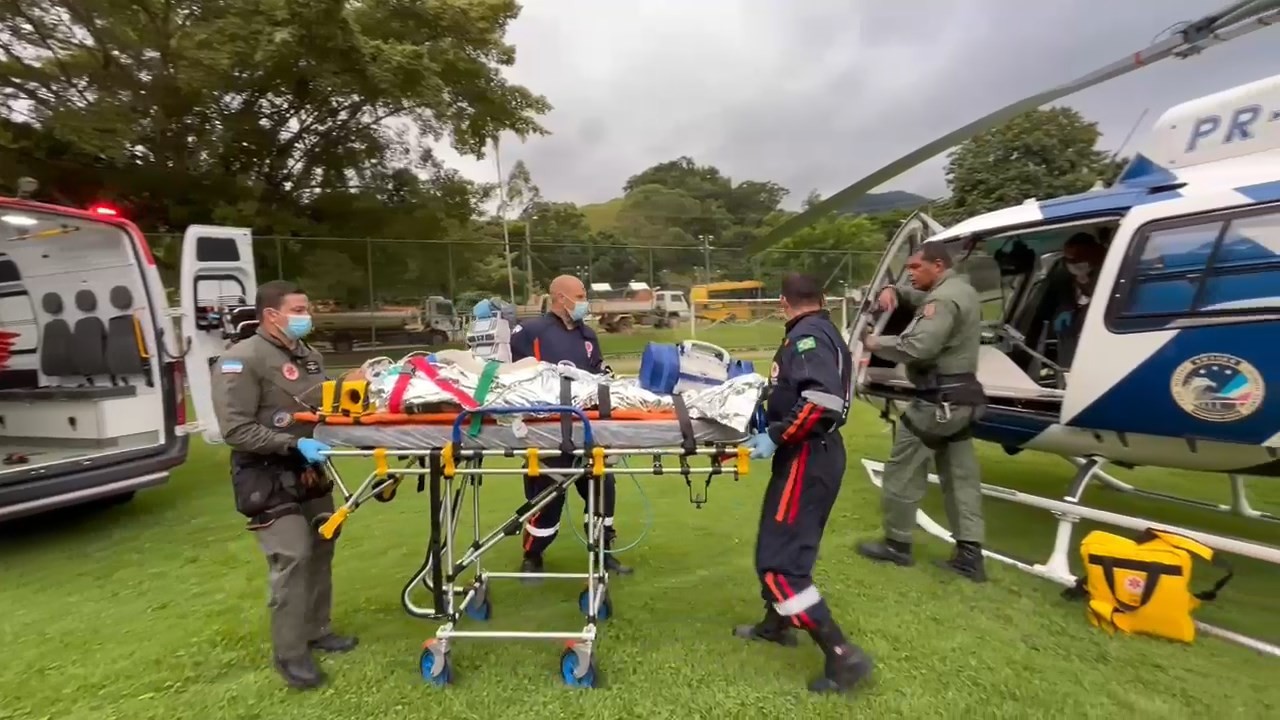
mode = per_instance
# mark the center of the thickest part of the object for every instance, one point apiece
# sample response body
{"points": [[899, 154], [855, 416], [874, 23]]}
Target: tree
{"points": [[284, 99], [838, 249], [1042, 153]]}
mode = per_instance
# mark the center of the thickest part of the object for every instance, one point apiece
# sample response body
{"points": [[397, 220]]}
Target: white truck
{"points": [[620, 309], [432, 322]]}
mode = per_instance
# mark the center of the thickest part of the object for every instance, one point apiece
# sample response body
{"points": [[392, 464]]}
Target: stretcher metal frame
{"points": [[447, 472]]}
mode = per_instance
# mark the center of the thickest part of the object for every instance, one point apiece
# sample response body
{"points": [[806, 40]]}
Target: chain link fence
{"points": [[727, 292]]}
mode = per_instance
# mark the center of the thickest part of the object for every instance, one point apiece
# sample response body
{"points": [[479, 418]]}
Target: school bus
{"points": [[730, 301]]}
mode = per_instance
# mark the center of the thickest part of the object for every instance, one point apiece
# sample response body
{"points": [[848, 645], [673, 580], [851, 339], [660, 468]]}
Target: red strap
{"points": [[395, 403], [426, 368]]}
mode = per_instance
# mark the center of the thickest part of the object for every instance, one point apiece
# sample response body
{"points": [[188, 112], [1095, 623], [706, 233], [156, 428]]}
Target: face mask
{"points": [[297, 326], [579, 311], [1079, 269]]}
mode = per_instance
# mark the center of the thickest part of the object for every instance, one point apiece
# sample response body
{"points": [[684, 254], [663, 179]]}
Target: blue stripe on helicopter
{"points": [[1142, 402], [1011, 428], [1142, 172], [1097, 202], [1261, 192]]}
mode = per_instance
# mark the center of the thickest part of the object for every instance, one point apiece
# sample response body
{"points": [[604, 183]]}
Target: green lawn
{"points": [[765, 335], [156, 609]]}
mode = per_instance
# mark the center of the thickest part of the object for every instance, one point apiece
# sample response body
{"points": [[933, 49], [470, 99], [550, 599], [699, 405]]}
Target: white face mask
{"points": [[1079, 269]]}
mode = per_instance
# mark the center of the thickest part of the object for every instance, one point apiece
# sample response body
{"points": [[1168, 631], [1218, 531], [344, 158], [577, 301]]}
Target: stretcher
{"points": [[445, 452]]}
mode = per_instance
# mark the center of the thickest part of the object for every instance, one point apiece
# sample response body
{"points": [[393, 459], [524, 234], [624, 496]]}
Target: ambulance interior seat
{"points": [[90, 360], [242, 322]]}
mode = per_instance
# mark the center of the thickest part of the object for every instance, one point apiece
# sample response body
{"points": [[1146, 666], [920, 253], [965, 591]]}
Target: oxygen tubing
{"points": [[648, 518]]}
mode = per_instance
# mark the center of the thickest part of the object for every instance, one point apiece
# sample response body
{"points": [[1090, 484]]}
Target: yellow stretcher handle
{"points": [[597, 461], [330, 526], [532, 455], [446, 457], [744, 460]]}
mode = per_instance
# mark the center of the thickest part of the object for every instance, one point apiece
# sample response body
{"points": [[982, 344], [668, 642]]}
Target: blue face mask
{"points": [[580, 309], [297, 326]]}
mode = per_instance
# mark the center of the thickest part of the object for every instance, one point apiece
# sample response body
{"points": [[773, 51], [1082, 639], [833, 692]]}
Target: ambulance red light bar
{"points": [[104, 209]]}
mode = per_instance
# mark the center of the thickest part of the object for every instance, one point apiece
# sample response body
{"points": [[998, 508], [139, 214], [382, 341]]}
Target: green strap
{"points": [[482, 392]]}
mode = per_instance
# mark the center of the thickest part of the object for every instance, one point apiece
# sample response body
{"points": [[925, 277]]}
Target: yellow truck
{"points": [[732, 301]]}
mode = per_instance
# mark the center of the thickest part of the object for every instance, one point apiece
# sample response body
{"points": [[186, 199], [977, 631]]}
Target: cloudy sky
{"points": [[816, 93]]}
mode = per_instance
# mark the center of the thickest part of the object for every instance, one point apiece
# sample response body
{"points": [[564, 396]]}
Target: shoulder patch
{"points": [[516, 329], [928, 310], [806, 343], [230, 367]]}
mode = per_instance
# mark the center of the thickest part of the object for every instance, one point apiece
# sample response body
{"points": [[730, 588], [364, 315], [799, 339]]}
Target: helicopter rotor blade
{"points": [[1226, 24]]}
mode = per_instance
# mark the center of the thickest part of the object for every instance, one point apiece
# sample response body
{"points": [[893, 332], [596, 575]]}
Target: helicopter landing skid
{"points": [[1239, 494], [1069, 511]]}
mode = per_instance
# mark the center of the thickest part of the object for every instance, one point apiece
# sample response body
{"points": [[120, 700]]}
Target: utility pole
{"points": [[528, 256], [502, 212], [706, 256]]}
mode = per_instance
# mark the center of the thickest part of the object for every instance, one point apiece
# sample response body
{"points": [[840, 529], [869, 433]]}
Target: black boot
{"points": [[531, 564], [773, 628], [846, 664], [611, 562], [967, 561], [333, 643], [886, 550], [300, 673]]}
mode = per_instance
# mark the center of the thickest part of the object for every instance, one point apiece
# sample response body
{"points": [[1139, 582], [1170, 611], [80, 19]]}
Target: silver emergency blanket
{"points": [[730, 404], [645, 434]]}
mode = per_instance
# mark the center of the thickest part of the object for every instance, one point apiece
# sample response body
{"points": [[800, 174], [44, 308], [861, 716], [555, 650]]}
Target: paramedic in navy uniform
{"points": [[561, 336], [806, 405]]}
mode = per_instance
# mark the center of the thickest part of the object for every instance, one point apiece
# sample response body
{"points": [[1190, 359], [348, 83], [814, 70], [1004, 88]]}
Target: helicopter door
{"points": [[216, 273], [914, 231]]}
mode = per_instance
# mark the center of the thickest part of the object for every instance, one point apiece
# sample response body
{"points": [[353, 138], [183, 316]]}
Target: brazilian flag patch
{"points": [[806, 344]]}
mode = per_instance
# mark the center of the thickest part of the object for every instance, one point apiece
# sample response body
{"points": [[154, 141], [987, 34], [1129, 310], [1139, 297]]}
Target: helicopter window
{"points": [[1250, 240], [1229, 264]]}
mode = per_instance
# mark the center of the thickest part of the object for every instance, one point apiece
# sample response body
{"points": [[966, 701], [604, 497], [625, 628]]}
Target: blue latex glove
{"points": [[311, 449], [1062, 322], [761, 446], [483, 309]]}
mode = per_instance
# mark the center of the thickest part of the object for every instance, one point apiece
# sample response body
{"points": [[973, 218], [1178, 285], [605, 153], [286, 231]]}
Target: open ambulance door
{"points": [[217, 273], [893, 265]]}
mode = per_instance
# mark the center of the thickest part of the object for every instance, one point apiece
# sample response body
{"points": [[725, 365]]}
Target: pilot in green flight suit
{"points": [[940, 351], [258, 384]]}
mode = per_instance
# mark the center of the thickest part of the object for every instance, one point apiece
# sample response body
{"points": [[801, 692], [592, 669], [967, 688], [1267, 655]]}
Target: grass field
{"points": [[765, 334], [156, 609]]}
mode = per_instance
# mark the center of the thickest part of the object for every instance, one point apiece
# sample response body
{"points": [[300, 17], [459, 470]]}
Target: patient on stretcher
{"points": [[453, 380]]}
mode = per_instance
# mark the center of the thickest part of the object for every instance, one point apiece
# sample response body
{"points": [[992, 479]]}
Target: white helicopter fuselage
{"points": [[1177, 360]]}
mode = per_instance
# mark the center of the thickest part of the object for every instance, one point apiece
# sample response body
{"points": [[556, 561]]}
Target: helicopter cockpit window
{"points": [[1222, 266]]}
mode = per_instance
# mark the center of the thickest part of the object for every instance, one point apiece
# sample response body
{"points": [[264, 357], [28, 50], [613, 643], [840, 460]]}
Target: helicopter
{"points": [[1174, 365]]}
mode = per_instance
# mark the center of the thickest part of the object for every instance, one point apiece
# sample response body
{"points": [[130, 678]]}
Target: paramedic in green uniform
{"points": [[258, 384], [940, 351]]}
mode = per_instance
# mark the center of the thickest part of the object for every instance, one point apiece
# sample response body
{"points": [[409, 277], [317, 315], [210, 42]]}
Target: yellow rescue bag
{"points": [[1143, 586]]}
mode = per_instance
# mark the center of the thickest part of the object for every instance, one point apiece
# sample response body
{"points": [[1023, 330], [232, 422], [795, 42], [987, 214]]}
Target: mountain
{"points": [[872, 203]]}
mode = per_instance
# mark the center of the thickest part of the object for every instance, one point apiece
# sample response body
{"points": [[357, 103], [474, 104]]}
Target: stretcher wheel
{"points": [[605, 610], [319, 520], [570, 662], [435, 665]]}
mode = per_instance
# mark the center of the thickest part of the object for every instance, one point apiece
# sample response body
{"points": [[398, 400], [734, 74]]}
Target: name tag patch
{"points": [[312, 367], [231, 367]]}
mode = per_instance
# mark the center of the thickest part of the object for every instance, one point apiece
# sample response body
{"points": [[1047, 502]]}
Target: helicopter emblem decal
{"points": [[1217, 388]]}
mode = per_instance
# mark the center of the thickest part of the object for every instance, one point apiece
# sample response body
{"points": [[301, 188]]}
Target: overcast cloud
{"points": [[817, 93]]}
